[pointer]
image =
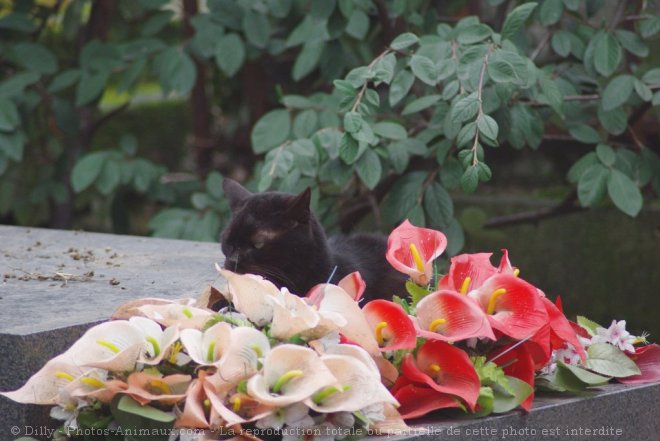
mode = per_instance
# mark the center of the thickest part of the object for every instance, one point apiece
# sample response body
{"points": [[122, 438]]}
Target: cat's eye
{"points": [[259, 244]]}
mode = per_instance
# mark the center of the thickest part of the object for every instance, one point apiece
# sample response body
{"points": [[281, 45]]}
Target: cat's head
{"points": [[273, 234]]}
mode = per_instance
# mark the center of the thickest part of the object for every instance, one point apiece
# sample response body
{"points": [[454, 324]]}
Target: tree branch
{"points": [[567, 206]]}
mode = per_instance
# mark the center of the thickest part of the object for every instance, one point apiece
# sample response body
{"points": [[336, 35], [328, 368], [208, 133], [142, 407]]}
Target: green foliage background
{"points": [[125, 115]]}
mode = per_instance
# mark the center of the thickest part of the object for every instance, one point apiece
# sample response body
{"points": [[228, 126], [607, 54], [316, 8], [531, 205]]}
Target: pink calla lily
{"points": [[412, 250], [449, 316], [445, 368], [513, 306], [647, 359], [392, 327]]}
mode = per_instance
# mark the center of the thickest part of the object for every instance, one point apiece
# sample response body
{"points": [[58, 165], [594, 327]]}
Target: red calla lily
{"points": [[519, 363], [469, 271], [417, 401], [647, 359], [539, 346], [412, 250], [560, 329], [513, 306], [393, 328], [449, 316], [444, 368]]}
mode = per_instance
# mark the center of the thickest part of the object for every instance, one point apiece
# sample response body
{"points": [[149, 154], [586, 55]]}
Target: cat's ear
{"points": [[298, 207], [235, 192]]}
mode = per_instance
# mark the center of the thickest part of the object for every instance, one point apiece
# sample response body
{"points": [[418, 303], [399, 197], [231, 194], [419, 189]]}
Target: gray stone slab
{"points": [[55, 284], [48, 298]]}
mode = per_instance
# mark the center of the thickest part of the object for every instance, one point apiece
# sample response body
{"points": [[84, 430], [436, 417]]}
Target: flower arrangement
{"points": [[478, 339]]}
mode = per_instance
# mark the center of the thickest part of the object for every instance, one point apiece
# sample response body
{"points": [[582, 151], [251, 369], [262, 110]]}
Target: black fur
{"points": [[276, 235]]}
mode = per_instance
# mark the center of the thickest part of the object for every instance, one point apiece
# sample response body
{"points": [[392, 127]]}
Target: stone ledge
{"points": [[41, 315]]}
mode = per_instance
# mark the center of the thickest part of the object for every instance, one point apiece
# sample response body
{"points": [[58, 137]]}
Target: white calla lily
{"points": [[171, 314], [291, 374], [292, 316], [114, 346], [44, 386], [157, 341], [241, 358], [251, 295], [206, 348], [358, 387]]}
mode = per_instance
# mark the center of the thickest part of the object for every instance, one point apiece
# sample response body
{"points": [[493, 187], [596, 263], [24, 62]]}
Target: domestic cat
{"points": [[277, 236]]}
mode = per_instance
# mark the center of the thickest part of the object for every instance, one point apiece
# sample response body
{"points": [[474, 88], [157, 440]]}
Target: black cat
{"points": [[276, 235]]}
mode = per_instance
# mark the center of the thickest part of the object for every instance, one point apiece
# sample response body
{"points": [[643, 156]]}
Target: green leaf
{"points": [[561, 43], [424, 69], [588, 325], [86, 170], [401, 200], [584, 133], [551, 92], [256, 28], [606, 359], [504, 402], [369, 169], [649, 26], [416, 292], [131, 75], [592, 185], [309, 30], [420, 104], [652, 76], [465, 108], [353, 122], [156, 23], [400, 86], [584, 375], [607, 54], [9, 118], [109, 178], [624, 193], [516, 19], [488, 126], [12, 145], [230, 54], [470, 179], [551, 11], [64, 80], [16, 21], [403, 41], [348, 149], [643, 90], [580, 166], [618, 91], [36, 57], [438, 204], [305, 123], [606, 154], [176, 71], [358, 24], [632, 43], [474, 34], [271, 130], [614, 121], [90, 87], [307, 59], [137, 420], [390, 130]]}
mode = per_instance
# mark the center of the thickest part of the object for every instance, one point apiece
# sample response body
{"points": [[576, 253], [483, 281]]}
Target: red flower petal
{"points": [[562, 331], [398, 332], [518, 363], [648, 361], [429, 243], [518, 312], [418, 401], [476, 266], [539, 346], [444, 368], [354, 285], [463, 317]]}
